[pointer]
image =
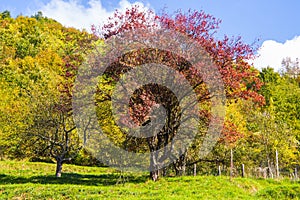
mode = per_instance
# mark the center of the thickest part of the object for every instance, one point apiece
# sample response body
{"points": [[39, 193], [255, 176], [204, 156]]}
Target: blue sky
{"points": [[264, 19], [274, 22]]}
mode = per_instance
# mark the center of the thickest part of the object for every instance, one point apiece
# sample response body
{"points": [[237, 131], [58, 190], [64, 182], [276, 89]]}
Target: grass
{"points": [[25, 180]]}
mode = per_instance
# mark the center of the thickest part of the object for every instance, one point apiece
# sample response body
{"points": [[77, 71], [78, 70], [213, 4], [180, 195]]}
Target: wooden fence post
{"points": [[277, 165], [231, 163], [243, 170]]}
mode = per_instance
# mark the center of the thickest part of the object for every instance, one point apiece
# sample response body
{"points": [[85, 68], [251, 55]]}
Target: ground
{"points": [[26, 180]]}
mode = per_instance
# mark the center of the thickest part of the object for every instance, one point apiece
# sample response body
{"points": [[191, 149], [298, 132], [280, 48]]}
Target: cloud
{"points": [[271, 53], [72, 13]]}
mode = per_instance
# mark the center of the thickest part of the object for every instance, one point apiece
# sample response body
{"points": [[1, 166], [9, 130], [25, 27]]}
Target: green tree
{"points": [[38, 65]]}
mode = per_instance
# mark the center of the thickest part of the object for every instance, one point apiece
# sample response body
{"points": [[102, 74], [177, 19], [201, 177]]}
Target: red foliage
{"points": [[230, 133], [132, 18], [229, 54]]}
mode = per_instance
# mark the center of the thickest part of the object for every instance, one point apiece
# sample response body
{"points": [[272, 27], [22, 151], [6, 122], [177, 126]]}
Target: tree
{"points": [[290, 67], [54, 132], [240, 79], [38, 64], [283, 93], [5, 14], [54, 124]]}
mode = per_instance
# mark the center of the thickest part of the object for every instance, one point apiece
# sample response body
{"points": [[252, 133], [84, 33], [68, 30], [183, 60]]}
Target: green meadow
{"points": [[27, 180]]}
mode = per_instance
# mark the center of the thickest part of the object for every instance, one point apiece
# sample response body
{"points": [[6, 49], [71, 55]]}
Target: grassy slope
{"points": [[23, 180]]}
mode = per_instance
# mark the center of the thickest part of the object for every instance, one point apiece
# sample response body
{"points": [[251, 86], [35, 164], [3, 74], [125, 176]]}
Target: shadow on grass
{"points": [[74, 178]]}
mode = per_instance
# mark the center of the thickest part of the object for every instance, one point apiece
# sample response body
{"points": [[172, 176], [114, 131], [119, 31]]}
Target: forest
{"points": [[39, 63]]}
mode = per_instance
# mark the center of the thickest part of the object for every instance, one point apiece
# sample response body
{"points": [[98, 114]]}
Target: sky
{"points": [[274, 23]]}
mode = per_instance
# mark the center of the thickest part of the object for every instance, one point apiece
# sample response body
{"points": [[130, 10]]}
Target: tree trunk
{"points": [[184, 167], [180, 165], [59, 164], [154, 175], [164, 171]]}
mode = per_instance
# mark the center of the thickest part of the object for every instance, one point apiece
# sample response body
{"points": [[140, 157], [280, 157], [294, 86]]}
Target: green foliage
{"points": [[5, 14], [283, 92], [38, 60], [280, 192]]}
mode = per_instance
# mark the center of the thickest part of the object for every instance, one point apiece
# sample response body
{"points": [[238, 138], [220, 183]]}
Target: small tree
{"points": [[55, 133], [51, 129], [290, 68]]}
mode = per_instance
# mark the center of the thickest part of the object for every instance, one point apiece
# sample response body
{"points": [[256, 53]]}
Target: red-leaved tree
{"points": [[229, 55]]}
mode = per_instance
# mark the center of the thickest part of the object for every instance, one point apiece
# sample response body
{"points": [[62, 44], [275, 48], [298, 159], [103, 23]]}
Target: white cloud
{"points": [[72, 13], [271, 53]]}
